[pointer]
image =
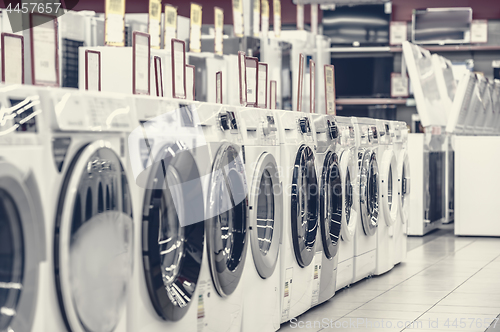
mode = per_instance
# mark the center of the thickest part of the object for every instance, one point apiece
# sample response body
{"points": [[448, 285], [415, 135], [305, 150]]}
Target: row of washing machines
{"points": [[132, 213]]}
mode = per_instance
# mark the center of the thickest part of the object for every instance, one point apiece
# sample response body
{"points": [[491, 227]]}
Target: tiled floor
{"points": [[447, 283]]}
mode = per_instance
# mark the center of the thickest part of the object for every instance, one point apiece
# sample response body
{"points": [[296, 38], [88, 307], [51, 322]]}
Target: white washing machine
{"points": [[346, 149], [300, 212], [403, 174], [168, 198], [389, 195], [87, 206], [22, 227], [368, 195], [261, 277], [331, 201]]}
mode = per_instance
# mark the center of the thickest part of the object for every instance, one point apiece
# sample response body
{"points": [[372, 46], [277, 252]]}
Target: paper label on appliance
{"points": [[330, 89], [265, 18], [13, 60], [262, 87], [195, 31], [287, 295], [219, 30], [479, 31], [218, 87], [272, 92], [399, 85], [314, 19], [155, 22], [200, 314], [170, 29], [256, 18], [178, 70], [93, 72], [312, 88], [316, 278], [300, 17], [238, 18], [251, 85], [398, 33], [115, 23], [44, 52], [142, 70], [190, 83], [277, 17]]}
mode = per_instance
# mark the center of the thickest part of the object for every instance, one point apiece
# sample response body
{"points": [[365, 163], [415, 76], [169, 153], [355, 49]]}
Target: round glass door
{"points": [[369, 192], [304, 206]]}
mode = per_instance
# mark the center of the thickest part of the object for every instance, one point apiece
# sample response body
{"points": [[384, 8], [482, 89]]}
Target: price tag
{"points": [[479, 31], [300, 17], [399, 85], [243, 78], [398, 33], [256, 18], [330, 90], [219, 30], [252, 65], [114, 25], [190, 82], [158, 76], [238, 18], [44, 59], [155, 22], [273, 94], [195, 31], [170, 28], [312, 85], [218, 87], [178, 69], [277, 17], [12, 58], [314, 19], [141, 52], [265, 17], [92, 70], [262, 86], [301, 82]]}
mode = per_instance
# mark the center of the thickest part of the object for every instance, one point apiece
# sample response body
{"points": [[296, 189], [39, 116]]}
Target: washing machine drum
{"points": [[304, 206], [331, 205], [369, 191], [227, 219], [173, 231], [93, 240]]}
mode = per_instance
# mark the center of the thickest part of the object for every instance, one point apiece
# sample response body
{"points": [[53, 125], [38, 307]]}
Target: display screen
{"points": [[441, 25]]}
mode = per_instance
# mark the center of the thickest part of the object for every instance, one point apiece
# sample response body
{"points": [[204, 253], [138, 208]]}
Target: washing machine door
{"points": [[226, 226], [265, 215], [389, 192], [19, 251], [304, 206], [173, 231], [331, 204], [404, 186], [368, 191], [93, 240], [348, 177]]}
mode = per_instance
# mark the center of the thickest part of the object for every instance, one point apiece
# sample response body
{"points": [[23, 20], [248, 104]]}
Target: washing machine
{"points": [[389, 195], [22, 226], [346, 149], [168, 197], [368, 196], [300, 212], [261, 277], [330, 206], [403, 188], [86, 206]]}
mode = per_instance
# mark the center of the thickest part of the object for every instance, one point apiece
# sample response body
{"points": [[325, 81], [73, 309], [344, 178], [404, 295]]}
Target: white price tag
{"points": [[479, 31], [398, 33], [272, 93], [238, 18], [314, 19], [265, 18], [190, 82], [399, 85], [277, 17], [12, 58], [287, 294], [178, 68], [300, 17], [155, 22], [195, 31], [219, 30], [141, 67], [316, 278], [44, 50], [114, 25], [330, 89], [218, 87], [92, 70], [243, 78], [262, 86], [170, 26], [256, 18], [251, 73]]}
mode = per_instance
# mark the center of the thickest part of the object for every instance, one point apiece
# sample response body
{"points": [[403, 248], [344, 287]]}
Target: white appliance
{"points": [[300, 212], [331, 206], [346, 149], [22, 225], [368, 194], [87, 206], [389, 196], [168, 197], [261, 276]]}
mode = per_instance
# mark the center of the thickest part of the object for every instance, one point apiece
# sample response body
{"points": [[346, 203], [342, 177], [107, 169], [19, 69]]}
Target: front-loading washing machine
{"points": [[300, 212], [389, 194], [403, 176], [261, 277], [22, 227], [168, 197], [331, 201], [86, 206], [346, 149], [368, 195]]}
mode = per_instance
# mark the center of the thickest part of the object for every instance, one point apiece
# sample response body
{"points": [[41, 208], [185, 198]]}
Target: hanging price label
{"points": [[44, 59], [178, 68], [277, 18], [141, 51], [398, 33], [265, 17], [300, 17], [170, 28], [195, 30], [154, 23], [114, 25], [314, 19], [92, 70], [219, 30], [12, 58], [330, 90], [256, 18], [238, 18]]}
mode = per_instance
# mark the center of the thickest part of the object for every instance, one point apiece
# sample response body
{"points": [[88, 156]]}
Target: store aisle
{"points": [[447, 283]]}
